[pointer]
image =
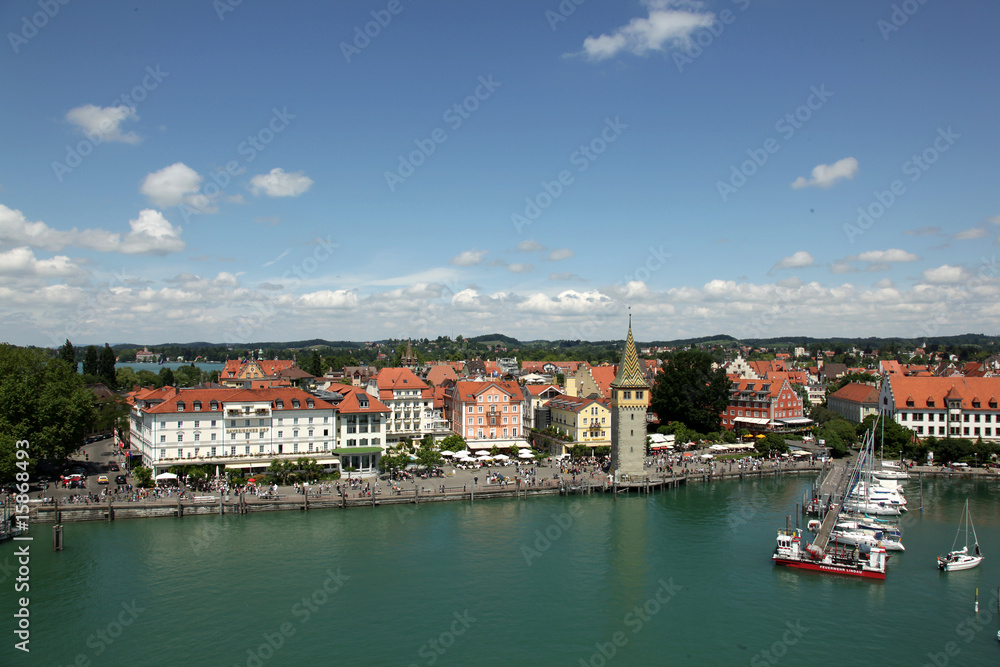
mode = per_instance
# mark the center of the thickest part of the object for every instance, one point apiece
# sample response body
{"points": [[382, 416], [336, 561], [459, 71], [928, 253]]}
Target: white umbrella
{"points": [[485, 458], [462, 452], [501, 457], [524, 450], [447, 453], [166, 475], [526, 455], [483, 454]]}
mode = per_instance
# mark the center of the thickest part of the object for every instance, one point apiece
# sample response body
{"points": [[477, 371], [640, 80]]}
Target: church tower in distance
{"points": [[629, 401]]}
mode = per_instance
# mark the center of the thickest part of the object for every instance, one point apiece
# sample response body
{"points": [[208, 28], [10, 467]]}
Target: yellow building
{"points": [[586, 420]]}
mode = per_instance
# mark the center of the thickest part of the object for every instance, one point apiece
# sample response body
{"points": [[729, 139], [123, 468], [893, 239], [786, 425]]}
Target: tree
{"points": [[690, 391], [106, 367], [428, 456], [890, 438], [453, 443], [166, 378], [43, 401], [68, 354], [314, 365], [90, 361], [143, 477], [393, 460], [126, 378], [771, 444], [309, 469]]}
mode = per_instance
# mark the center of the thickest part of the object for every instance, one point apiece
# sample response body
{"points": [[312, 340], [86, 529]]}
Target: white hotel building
{"points": [[237, 428]]}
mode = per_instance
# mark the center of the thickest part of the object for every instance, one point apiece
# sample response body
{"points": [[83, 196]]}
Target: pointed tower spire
{"points": [[629, 370]]}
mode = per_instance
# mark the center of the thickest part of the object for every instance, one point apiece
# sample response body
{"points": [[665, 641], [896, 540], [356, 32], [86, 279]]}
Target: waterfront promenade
{"points": [[495, 481]]}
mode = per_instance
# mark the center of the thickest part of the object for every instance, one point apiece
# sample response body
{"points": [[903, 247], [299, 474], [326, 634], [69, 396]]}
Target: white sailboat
{"points": [[961, 559]]}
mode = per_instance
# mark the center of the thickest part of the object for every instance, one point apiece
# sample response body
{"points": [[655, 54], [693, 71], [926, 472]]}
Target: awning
{"points": [[797, 421], [752, 420], [353, 451]]}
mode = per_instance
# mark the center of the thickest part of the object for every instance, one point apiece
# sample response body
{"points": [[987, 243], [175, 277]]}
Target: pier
{"points": [[831, 490]]}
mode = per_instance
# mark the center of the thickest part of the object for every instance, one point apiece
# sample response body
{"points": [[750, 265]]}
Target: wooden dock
{"points": [[832, 490]]}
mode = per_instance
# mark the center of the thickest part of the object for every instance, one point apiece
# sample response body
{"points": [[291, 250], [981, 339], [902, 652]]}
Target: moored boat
{"points": [[961, 559], [790, 552]]}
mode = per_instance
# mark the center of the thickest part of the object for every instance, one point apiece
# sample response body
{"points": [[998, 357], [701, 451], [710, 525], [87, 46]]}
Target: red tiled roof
{"points": [[941, 389], [467, 390], [855, 392], [235, 394], [392, 379], [575, 403], [438, 374], [536, 389], [351, 403]]}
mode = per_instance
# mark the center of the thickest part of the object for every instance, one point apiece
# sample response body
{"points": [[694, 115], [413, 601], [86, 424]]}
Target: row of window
{"points": [[919, 417], [362, 442], [232, 435], [214, 406], [513, 420], [956, 430], [194, 452], [513, 408], [474, 433], [246, 422]]}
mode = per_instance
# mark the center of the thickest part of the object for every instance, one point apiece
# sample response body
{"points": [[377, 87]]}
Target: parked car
{"points": [[120, 479], [102, 479], [113, 466]]}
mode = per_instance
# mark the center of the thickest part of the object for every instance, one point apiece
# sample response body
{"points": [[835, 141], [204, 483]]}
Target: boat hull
{"points": [[957, 566], [829, 568]]}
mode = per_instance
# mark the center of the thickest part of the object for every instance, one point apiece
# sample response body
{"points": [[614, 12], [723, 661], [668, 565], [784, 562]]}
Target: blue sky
{"points": [[268, 171]]}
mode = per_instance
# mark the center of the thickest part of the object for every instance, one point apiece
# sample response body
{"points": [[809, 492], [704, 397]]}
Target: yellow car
{"points": [[103, 479]]}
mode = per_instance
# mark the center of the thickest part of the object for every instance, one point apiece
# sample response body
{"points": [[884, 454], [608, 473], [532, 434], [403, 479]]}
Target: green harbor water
{"points": [[680, 577]]}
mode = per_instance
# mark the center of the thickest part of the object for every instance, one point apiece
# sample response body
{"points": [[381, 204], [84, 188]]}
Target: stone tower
{"points": [[629, 401]]}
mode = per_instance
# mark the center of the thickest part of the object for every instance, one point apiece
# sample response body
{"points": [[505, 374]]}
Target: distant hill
{"points": [[494, 338]]}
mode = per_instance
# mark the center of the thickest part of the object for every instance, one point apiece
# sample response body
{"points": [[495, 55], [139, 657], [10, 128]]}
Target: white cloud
{"points": [[564, 276], [924, 231], [150, 233], [798, 260], [104, 123], [825, 175], [568, 301], [469, 258], [22, 262], [883, 256], [277, 183], [561, 253], [670, 24], [530, 245], [943, 274], [329, 299], [969, 234], [172, 186], [519, 268]]}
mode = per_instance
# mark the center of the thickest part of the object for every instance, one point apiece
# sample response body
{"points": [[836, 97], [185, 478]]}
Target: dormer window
{"points": [[310, 405], [295, 403], [180, 406], [279, 405], [930, 402], [197, 406], [976, 404], [215, 406], [993, 404]]}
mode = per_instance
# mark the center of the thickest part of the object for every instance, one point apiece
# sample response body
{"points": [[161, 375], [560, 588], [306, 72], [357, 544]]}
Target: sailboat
{"points": [[961, 559]]}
